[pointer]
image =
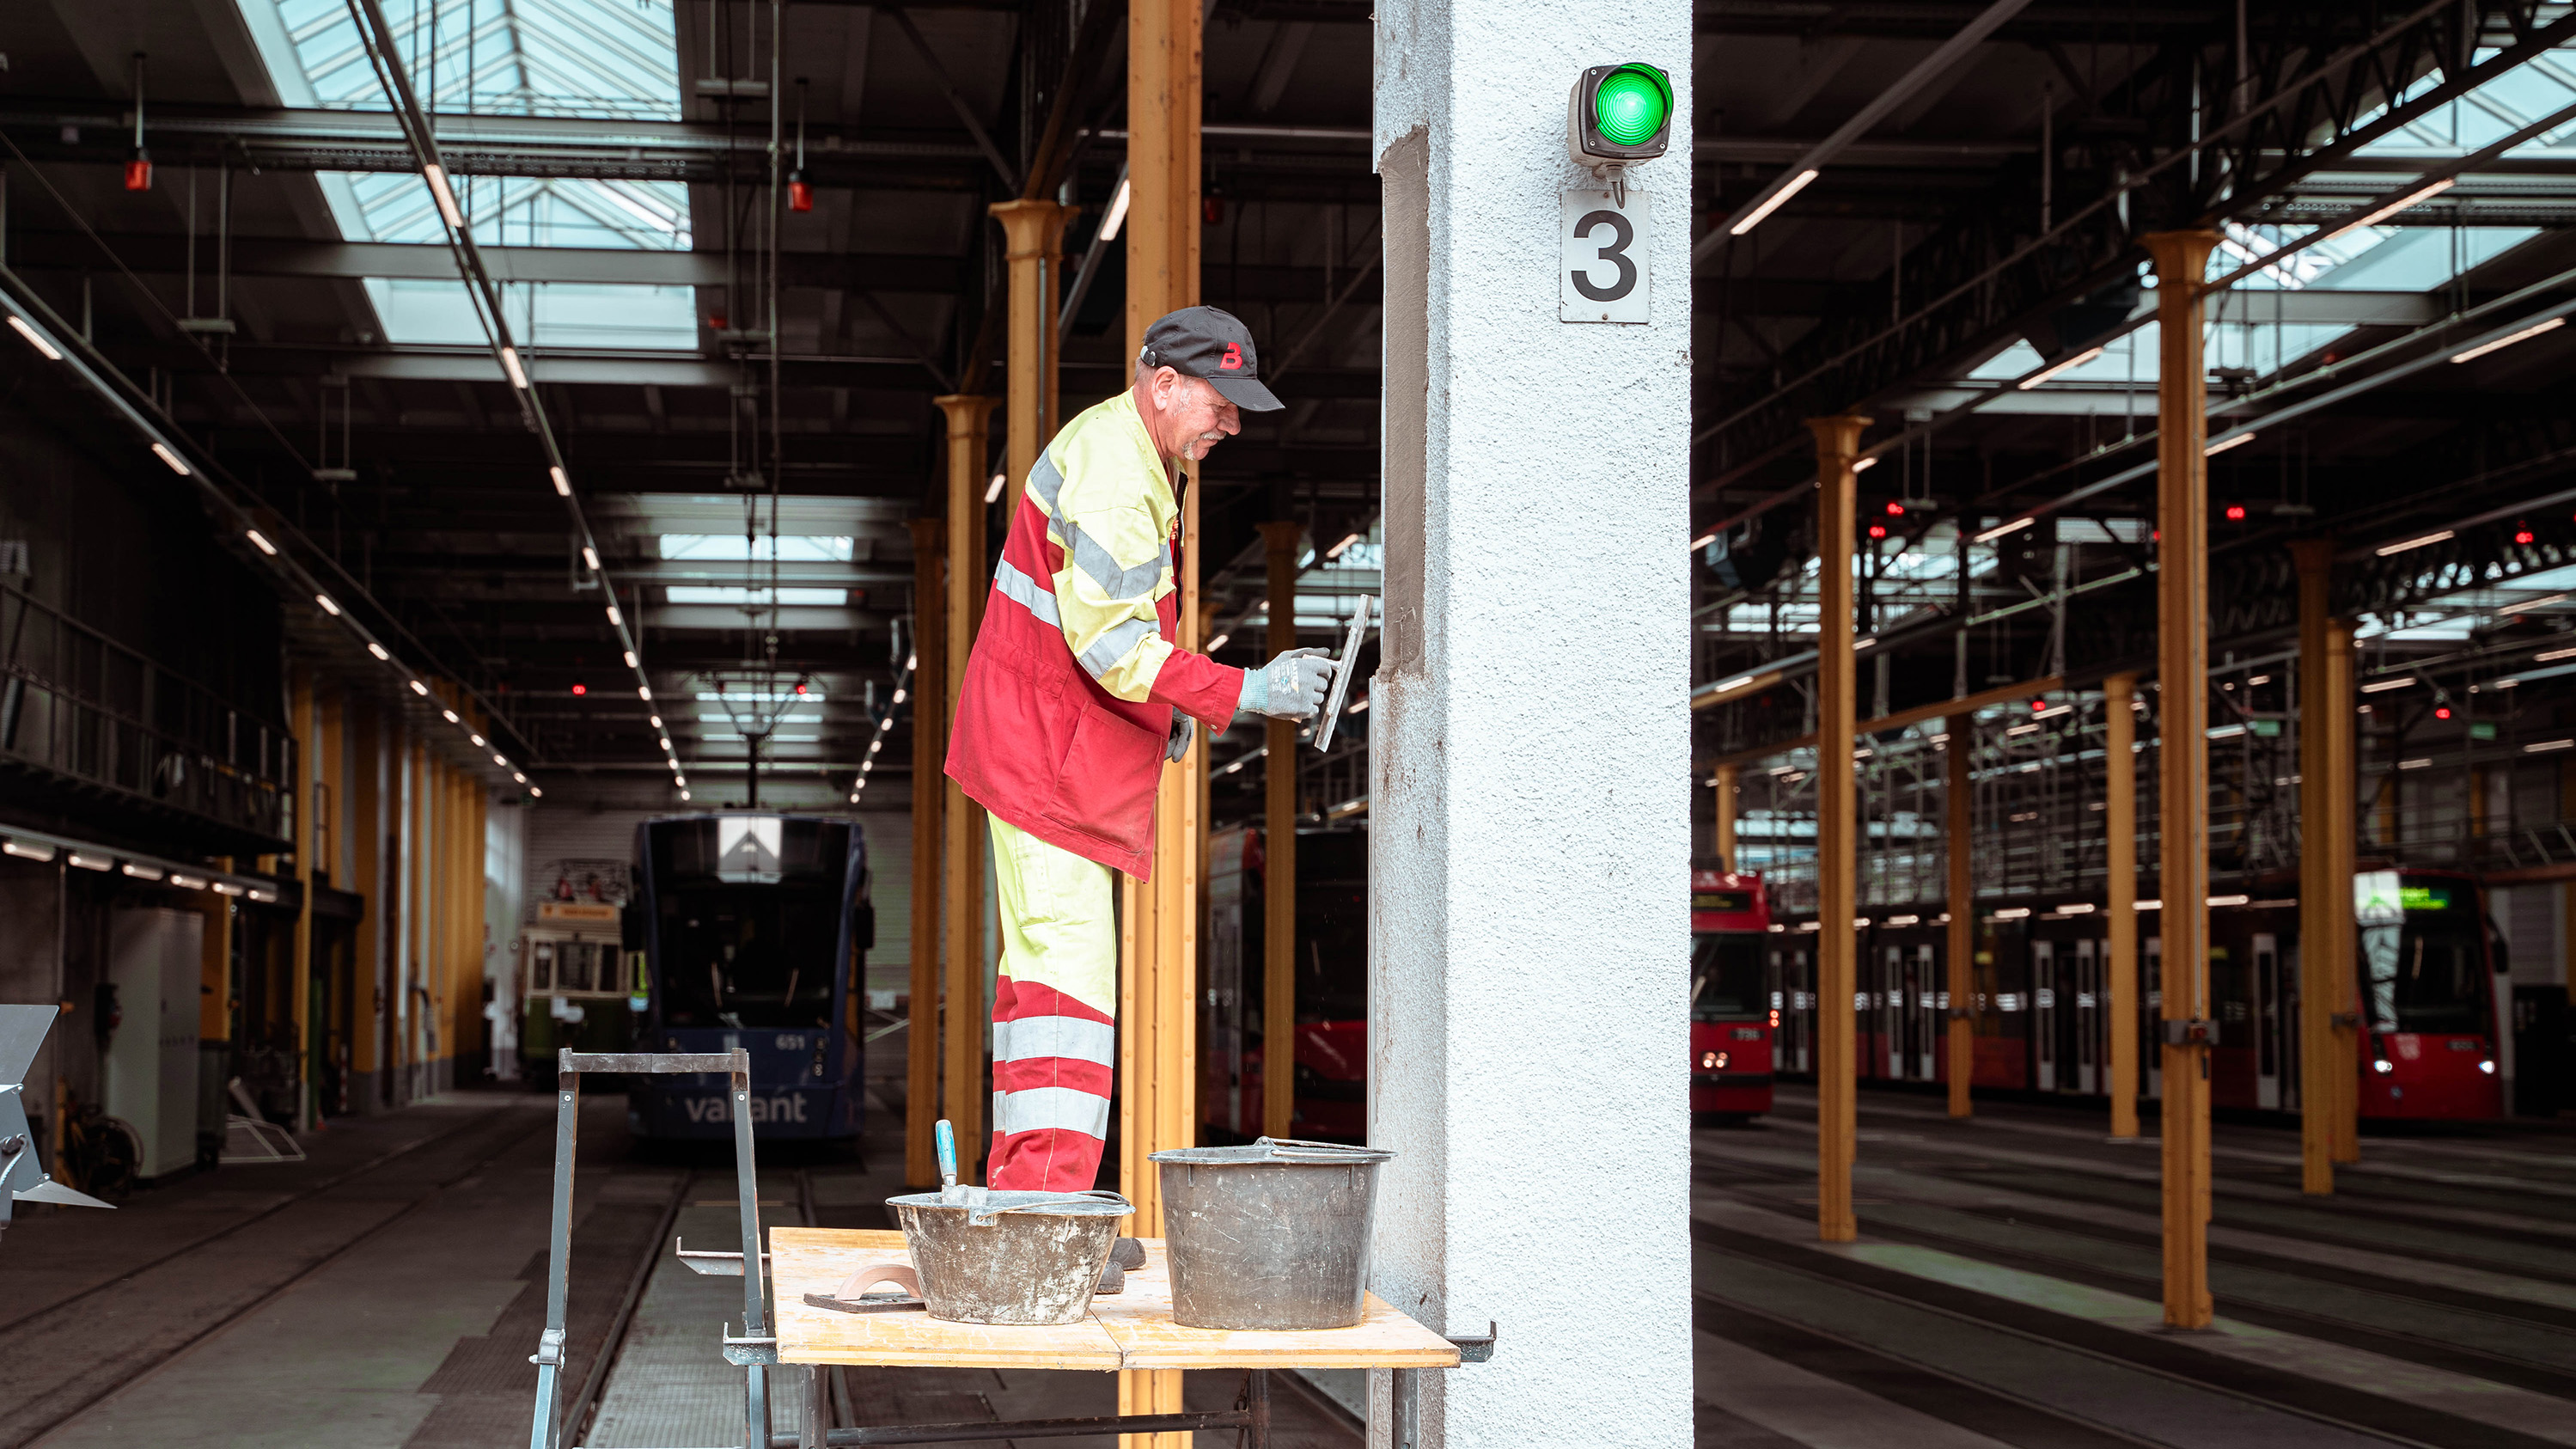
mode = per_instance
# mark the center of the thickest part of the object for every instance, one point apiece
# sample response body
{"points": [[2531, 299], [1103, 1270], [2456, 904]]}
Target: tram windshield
{"points": [[748, 956], [1726, 977], [2424, 975]]}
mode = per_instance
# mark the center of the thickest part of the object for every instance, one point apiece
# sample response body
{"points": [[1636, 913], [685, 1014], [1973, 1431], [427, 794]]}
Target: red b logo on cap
{"points": [[1233, 358]]}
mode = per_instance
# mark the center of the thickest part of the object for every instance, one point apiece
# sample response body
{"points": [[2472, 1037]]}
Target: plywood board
{"points": [[1140, 1319], [820, 1260], [1132, 1329]]}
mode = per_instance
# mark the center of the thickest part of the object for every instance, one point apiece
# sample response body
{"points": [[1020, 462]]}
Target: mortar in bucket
{"points": [[1009, 1257], [1270, 1236]]}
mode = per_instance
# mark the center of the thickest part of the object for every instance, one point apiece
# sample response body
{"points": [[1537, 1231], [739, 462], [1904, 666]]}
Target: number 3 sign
{"points": [[1601, 256]]}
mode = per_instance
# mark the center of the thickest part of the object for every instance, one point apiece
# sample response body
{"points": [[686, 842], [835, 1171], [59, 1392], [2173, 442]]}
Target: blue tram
{"points": [[755, 930]]}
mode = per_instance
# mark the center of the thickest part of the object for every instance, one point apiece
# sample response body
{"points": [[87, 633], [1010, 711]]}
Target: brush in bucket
{"points": [[1006, 1257]]}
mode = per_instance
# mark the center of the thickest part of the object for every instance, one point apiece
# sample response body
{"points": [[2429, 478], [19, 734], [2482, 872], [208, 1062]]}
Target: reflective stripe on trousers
{"points": [[1055, 1038]]}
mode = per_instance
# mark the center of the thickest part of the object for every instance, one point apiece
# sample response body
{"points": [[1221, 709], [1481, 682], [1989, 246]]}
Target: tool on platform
{"points": [[948, 1191], [1352, 638]]}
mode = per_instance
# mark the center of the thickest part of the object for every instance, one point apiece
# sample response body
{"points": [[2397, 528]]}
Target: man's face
{"points": [[1190, 417]]}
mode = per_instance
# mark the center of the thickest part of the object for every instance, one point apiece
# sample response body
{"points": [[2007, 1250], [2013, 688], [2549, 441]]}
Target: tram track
{"points": [[61, 1333], [282, 1204]]}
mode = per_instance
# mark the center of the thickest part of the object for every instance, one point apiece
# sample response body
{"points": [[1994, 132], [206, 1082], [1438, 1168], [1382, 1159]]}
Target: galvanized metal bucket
{"points": [[1010, 1257], [1274, 1235]]}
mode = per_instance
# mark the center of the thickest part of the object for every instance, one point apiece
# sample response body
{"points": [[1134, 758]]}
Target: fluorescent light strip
{"points": [[2501, 343], [2382, 686], [2223, 444], [2533, 603], [2000, 529], [993, 490], [378, 650], [615, 618], [1863, 465], [328, 607], [2431, 538], [518, 376], [1773, 202], [2545, 746], [2420, 762], [2422, 193], [451, 716], [590, 556], [436, 176], [2548, 654], [255, 536], [35, 339], [178, 466], [1117, 216], [2054, 368], [563, 485], [420, 689], [630, 659]]}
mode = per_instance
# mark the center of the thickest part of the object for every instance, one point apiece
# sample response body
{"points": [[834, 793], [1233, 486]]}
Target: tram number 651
{"points": [[1601, 256]]}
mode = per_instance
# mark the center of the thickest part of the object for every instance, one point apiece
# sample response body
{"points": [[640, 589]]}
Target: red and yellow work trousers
{"points": [[1055, 1015]]}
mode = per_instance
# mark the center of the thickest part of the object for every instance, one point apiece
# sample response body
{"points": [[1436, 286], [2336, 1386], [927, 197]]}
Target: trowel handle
{"points": [[947, 1136]]}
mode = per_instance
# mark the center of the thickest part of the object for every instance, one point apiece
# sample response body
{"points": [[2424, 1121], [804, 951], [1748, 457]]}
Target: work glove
{"points": [[1291, 686], [1178, 743]]}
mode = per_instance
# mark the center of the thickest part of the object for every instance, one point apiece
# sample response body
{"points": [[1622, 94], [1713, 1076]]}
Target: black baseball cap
{"points": [[1210, 343]]}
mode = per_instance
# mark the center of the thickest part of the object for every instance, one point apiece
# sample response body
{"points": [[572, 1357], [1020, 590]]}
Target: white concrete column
{"points": [[1530, 746]]}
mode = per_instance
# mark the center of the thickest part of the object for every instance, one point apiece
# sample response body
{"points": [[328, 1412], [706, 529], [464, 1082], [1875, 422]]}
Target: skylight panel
{"points": [[736, 548], [758, 598]]}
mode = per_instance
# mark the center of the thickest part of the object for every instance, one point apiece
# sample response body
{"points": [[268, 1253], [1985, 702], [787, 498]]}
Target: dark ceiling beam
{"points": [[2090, 24], [166, 254]]}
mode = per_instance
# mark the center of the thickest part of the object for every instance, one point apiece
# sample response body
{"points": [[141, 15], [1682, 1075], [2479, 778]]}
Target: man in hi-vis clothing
{"points": [[1073, 700]]}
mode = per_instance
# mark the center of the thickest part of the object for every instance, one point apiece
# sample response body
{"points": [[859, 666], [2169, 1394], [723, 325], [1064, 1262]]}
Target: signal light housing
{"points": [[2236, 513], [800, 192], [1617, 114]]}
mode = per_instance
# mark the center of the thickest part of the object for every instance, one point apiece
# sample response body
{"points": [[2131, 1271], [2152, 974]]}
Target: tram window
{"points": [[1726, 976], [2423, 975], [748, 956]]}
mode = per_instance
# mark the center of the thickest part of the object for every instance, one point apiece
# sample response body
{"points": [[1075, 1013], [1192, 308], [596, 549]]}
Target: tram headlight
{"points": [[2487, 1066], [2383, 1066], [1712, 1061]]}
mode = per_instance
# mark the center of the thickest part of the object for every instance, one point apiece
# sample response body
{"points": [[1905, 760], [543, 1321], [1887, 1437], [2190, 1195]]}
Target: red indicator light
{"points": [[2521, 531], [138, 173], [2236, 513], [2442, 711], [2037, 705], [1878, 530], [800, 193], [581, 689], [800, 689], [1895, 509]]}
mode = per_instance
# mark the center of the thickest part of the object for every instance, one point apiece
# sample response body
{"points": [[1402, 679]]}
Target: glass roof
{"points": [[2401, 256], [607, 59]]}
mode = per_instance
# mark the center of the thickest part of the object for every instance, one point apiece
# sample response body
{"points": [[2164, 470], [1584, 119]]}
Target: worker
{"points": [[1075, 696]]}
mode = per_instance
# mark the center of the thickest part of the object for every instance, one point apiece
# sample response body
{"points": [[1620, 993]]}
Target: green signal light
{"points": [[1632, 104]]}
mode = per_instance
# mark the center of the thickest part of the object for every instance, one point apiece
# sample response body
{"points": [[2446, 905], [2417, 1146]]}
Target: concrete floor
{"points": [[2004, 1290], [386, 1294]]}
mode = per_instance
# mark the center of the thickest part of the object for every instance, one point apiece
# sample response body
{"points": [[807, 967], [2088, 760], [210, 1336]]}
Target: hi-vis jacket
{"points": [[1071, 685]]}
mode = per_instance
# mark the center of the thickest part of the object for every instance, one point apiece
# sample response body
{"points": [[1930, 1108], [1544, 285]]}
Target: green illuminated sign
{"points": [[2423, 898], [1619, 113], [1632, 104]]}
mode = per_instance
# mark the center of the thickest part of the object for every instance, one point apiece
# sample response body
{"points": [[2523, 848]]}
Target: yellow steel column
{"points": [[2342, 996], [367, 1005], [307, 759], [1837, 439], [2319, 899], [1725, 802], [1033, 237], [929, 799], [1959, 809], [2120, 825], [2182, 720], [1157, 979], [1279, 858], [962, 823]]}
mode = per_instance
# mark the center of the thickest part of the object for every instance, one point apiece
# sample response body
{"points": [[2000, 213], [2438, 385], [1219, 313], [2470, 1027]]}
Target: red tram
{"points": [[1331, 986], [1732, 1011], [2425, 968]]}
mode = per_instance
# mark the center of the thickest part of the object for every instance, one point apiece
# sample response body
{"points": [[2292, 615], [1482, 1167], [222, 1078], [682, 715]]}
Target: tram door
{"points": [[2150, 1013], [1792, 997], [2043, 1014], [1891, 1011], [1921, 1030], [2088, 1016], [2271, 1024]]}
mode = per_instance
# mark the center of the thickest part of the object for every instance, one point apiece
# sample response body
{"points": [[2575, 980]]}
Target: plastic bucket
{"points": [[1270, 1236], [1010, 1257]]}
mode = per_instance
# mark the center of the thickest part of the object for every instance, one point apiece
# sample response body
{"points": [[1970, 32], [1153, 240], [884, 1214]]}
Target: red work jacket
{"points": [[1051, 740]]}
